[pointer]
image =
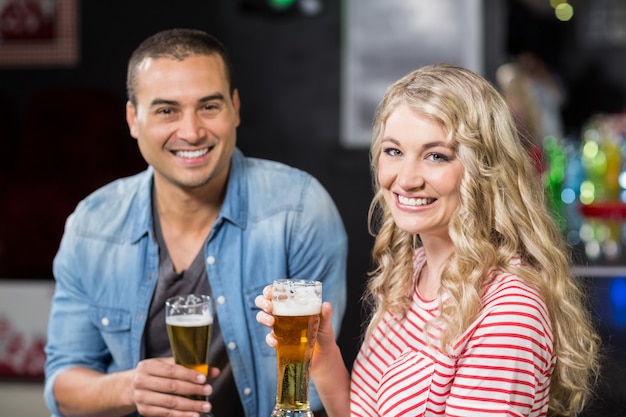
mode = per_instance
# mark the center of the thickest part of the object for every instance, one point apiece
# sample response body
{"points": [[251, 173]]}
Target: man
{"points": [[202, 218]]}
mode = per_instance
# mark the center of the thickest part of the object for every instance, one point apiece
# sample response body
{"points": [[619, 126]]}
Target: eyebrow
{"points": [[161, 101], [427, 145]]}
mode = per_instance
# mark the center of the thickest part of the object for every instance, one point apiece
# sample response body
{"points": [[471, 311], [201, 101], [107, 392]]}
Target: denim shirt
{"points": [[276, 221]]}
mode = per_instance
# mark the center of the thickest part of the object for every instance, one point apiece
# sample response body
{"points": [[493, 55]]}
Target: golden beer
{"points": [[190, 338], [296, 337], [296, 308]]}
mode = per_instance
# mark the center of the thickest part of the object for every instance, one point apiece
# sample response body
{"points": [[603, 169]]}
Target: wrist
{"points": [[127, 389]]}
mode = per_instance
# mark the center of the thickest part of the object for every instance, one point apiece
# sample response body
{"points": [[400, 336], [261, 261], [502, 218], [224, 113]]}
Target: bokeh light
{"points": [[564, 12], [587, 192], [568, 196]]}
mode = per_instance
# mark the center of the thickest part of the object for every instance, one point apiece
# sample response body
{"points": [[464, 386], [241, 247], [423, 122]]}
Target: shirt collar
{"points": [[142, 203], [234, 208]]}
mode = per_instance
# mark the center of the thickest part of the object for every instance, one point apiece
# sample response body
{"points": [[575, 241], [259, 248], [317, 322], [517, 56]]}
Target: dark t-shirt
{"points": [[225, 398]]}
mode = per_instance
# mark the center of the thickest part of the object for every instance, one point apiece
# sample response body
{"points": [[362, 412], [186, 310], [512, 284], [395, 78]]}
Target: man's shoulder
{"points": [[117, 191], [114, 200], [274, 169], [279, 178], [275, 184]]}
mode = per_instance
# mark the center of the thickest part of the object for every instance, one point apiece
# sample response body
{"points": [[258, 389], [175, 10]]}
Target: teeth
{"points": [[192, 154], [415, 201]]}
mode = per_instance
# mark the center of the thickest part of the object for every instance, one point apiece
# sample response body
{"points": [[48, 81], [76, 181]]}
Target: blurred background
{"points": [[309, 73]]}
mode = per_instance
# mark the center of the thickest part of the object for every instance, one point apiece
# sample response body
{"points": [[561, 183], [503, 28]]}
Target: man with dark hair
{"points": [[202, 218]]}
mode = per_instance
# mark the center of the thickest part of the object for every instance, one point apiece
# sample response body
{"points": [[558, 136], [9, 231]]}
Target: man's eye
{"points": [[211, 107], [165, 110]]}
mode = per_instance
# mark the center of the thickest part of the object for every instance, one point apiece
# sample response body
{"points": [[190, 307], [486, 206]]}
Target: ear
{"points": [[131, 119], [236, 105]]}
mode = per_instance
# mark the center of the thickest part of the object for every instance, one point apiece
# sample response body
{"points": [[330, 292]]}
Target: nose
{"points": [[410, 175], [190, 128]]}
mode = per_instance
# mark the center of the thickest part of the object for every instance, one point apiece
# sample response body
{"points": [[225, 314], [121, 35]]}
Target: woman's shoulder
{"points": [[509, 295]]}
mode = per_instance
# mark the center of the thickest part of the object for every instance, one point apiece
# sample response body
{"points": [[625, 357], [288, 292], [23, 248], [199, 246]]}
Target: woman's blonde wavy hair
{"points": [[502, 215]]}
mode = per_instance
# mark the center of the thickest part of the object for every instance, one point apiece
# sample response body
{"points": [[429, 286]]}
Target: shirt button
{"points": [[232, 345], [221, 299], [105, 321], [210, 260], [247, 390]]}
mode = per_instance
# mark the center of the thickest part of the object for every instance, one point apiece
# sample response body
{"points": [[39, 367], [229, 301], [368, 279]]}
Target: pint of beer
{"points": [[189, 319], [296, 307]]}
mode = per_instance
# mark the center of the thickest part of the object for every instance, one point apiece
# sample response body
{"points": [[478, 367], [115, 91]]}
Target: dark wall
{"points": [[287, 69]]}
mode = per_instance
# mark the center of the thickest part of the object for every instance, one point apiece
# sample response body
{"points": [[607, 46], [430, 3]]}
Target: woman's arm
{"points": [[328, 370]]}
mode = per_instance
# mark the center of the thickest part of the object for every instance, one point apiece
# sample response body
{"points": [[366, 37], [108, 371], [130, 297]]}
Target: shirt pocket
{"points": [[405, 386], [258, 331], [114, 327]]}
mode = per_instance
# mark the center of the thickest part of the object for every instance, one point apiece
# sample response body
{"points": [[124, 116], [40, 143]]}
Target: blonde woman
{"points": [[475, 312]]}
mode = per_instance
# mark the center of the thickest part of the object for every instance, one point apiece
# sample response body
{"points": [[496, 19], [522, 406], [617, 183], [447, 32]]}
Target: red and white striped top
{"points": [[501, 366]]}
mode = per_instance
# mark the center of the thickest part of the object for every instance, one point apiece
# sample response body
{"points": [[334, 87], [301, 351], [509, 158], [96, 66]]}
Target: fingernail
{"points": [[201, 378]]}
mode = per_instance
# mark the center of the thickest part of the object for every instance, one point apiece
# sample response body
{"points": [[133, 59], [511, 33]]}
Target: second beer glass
{"points": [[297, 306]]}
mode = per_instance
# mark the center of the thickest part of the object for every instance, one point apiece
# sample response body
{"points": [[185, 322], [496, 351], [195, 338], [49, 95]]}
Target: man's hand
{"points": [[162, 388]]}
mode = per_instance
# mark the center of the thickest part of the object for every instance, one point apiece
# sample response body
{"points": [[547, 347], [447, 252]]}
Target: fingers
{"points": [[267, 320], [157, 369], [264, 301], [267, 292], [173, 406], [264, 316], [326, 333], [161, 387], [213, 372], [270, 339], [327, 314]]}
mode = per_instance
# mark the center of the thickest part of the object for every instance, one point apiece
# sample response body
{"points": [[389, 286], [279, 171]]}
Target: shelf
{"points": [[600, 271]]}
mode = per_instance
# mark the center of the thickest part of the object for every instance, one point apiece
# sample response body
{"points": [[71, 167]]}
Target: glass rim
{"points": [[299, 281], [183, 297]]}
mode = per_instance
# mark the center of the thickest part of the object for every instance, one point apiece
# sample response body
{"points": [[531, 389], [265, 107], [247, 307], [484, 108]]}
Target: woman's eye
{"points": [[392, 152], [438, 157]]}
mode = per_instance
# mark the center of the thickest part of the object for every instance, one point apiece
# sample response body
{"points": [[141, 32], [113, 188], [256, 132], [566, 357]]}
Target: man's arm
{"points": [[85, 392], [155, 387]]}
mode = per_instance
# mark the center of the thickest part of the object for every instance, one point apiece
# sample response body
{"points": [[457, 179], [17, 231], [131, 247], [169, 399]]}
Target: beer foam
{"points": [[297, 307], [191, 320]]}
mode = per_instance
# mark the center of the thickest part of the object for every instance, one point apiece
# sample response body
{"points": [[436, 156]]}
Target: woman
{"points": [[475, 312]]}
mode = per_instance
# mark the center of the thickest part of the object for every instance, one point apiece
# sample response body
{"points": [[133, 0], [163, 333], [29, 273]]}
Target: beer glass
{"points": [[297, 305], [189, 319]]}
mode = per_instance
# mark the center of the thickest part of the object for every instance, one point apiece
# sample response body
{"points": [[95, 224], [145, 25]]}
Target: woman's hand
{"points": [[325, 336], [264, 317]]}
